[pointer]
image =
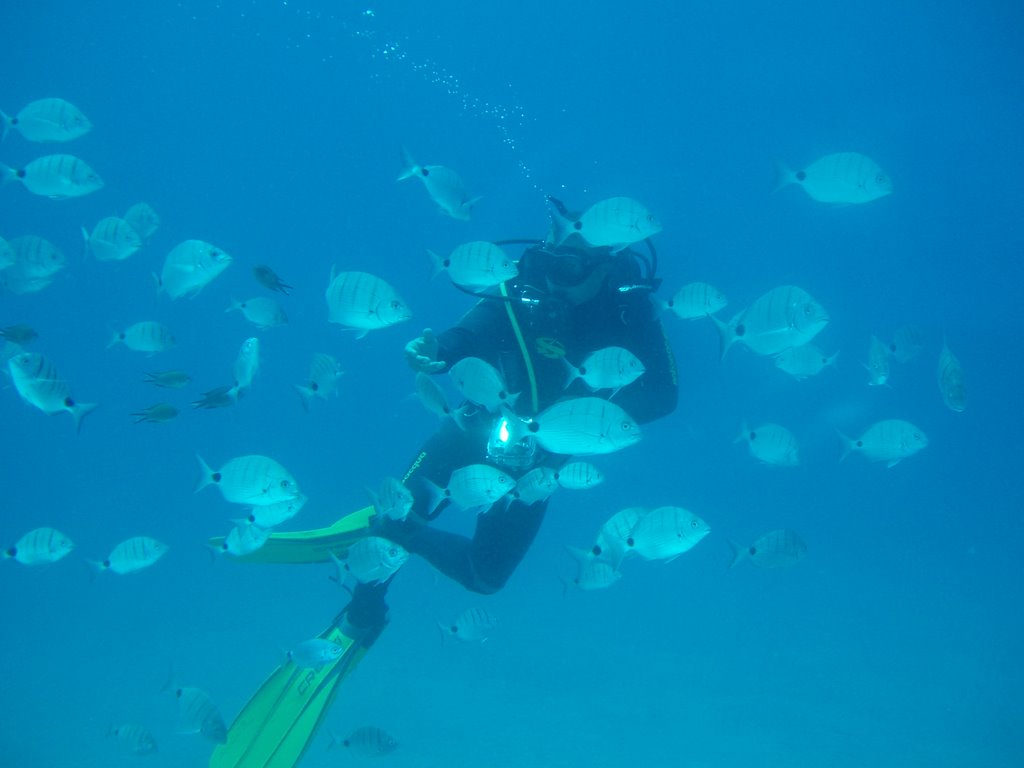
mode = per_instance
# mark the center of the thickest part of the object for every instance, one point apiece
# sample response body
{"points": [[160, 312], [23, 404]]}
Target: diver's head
{"points": [[578, 275]]}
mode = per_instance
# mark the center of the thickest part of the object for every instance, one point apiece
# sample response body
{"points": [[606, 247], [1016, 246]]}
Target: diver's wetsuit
{"points": [[552, 329]]}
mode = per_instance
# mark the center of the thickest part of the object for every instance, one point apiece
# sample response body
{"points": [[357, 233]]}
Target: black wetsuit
{"points": [[551, 329]]}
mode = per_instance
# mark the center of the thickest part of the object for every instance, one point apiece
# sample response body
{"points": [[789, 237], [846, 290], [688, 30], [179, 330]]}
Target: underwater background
{"points": [[274, 129]]}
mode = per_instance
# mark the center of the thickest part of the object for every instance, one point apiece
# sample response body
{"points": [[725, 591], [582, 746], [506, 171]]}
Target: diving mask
{"points": [[507, 448]]}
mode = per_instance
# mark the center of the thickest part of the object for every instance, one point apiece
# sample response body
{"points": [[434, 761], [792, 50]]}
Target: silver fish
{"points": [[592, 573], [324, 374], [39, 384], [260, 311], [951, 380], [617, 222], [775, 549], [244, 538], [784, 317], [112, 239], [145, 336], [843, 178], [254, 480], [363, 302], [315, 653], [36, 262], [190, 267], [432, 397], [40, 546], [474, 486], [143, 219], [578, 475], [481, 383], [271, 515], [476, 265], [608, 368], [134, 740], [615, 539], [366, 741], [50, 119], [584, 426], [55, 176], [803, 361], [891, 441], [168, 379], [393, 500], [198, 714], [906, 343], [372, 559], [156, 414], [771, 444], [696, 300], [667, 532], [132, 555], [536, 485], [442, 184], [878, 363], [247, 365], [472, 625]]}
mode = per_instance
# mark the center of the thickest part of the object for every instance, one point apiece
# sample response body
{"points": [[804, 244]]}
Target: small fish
{"points": [[40, 546], [315, 653], [134, 740], [667, 532], [190, 267], [393, 500], [254, 480], [878, 363], [906, 343], [168, 379], [843, 178], [536, 485], [617, 223], [324, 374], [143, 219], [363, 302], [951, 380], [218, 397], [891, 441], [132, 555], [803, 361], [146, 336], [481, 383], [592, 573], [472, 625], [615, 538], [786, 316], [272, 515], [198, 714], [442, 184], [474, 486], [39, 384], [366, 741], [372, 559], [156, 414], [584, 426], [260, 311], [608, 368], [50, 119], [112, 239], [58, 177], [775, 549], [19, 334], [578, 475], [247, 366], [696, 300], [36, 263], [244, 538], [771, 444], [432, 397], [268, 278], [476, 265]]}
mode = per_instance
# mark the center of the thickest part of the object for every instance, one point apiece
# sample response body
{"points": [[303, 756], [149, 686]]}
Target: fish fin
{"points": [[438, 263], [893, 462], [305, 394], [783, 177], [848, 445], [409, 166], [738, 553], [7, 173], [726, 334], [79, 411], [436, 496], [235, 304], [205, 474], [744, 431]]}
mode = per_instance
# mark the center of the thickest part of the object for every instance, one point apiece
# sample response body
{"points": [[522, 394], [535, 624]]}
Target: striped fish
{"points": [[133, 739], [271, 515], [951, 380], [775, 549], [366, 741], [55, 176], [578, 475], [254, 480], [244, 538], [617, 223], [784, 317], [363, 302], [667, 532], [260, 311], [476, 265], [472, 625], [803, 361], [771, 444], [371, 559], [36, 262], [607, 368], [584, 426], [198, 714], [696, 300], [324, 374], [39, 384], [592, 573], [39, 547], [190, 267], [112, 239], [481, 383], [474, 486], [247, 365], [891, 441], [536, 485], [842, 178], [49, 119], [143, 219], [145, 336], [442, 184], [615, 539], [133, 554]]}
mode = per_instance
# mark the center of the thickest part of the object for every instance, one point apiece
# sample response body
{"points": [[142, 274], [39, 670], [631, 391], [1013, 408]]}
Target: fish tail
{"points": [[438, 263], [7, 174], [561, 221], [205, 474], [7, 124], [79, 411], [409, 166], [437, 495], [783, 176], [726, 336], [442, 629], [235, 304], [744, 431], [457, 415], [305, 395], [335, 741], [738, 553], [848, 445], [85, 243]]}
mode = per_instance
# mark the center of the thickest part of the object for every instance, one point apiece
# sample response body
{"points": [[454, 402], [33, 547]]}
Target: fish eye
{"points": [[395, 304], [880, 179], [626, 426], [693, 523], [284, 483]]}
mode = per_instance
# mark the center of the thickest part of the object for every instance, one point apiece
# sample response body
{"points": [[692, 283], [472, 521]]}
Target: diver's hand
{"points": [[421, 353]]}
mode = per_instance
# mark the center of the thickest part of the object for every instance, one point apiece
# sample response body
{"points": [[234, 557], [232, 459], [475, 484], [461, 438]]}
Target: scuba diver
{"points": [[567, 301]]}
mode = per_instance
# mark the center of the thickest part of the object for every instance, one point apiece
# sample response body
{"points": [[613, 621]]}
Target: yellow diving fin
{"points": [[278, 723], [315, 546]]}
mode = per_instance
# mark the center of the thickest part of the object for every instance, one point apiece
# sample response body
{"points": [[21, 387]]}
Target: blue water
{"points": [[273, 130]]}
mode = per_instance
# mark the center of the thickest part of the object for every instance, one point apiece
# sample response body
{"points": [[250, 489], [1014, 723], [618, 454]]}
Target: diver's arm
{"points": [[474, 335]]}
